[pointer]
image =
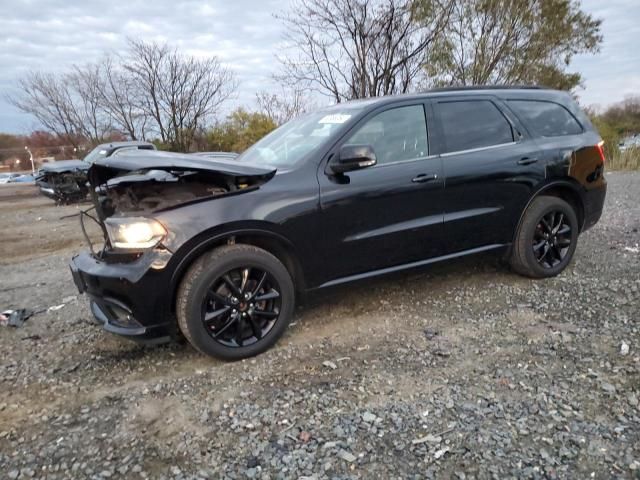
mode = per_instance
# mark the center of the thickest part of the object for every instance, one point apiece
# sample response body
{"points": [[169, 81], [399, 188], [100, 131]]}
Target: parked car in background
{"points": [[629, 143], [218, 249], [65, 181], [7, 177], [23, 178]]}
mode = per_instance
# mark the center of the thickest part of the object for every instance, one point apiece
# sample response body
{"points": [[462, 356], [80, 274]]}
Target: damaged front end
{"points": [[64, 182], [127, 277], [138, 185]]}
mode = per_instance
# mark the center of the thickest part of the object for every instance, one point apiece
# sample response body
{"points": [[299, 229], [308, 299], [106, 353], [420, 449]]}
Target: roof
{"points": [[515, 91], [133, 143]]}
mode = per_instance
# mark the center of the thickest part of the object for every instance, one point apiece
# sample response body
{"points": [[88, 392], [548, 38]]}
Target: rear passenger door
{"points": [[491, 167]]}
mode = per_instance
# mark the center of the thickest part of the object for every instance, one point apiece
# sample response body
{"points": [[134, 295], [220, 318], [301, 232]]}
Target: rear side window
{"points": [[472, 124], [546, 119]]}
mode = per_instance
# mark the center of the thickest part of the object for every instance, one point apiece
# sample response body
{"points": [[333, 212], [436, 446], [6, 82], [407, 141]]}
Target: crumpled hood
{"points": [[141, 182], [155, 160], [64, 166]]}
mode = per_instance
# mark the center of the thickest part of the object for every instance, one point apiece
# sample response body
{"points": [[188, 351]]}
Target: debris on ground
{"points": [[15, 318], [624, 348], [35, 338], [427, 439], [430, 333], [347, 456], [440, 453]]}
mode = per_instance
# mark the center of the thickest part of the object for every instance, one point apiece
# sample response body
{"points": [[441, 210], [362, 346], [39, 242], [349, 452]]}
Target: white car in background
{"points": [[629, 142], [7, 177]]}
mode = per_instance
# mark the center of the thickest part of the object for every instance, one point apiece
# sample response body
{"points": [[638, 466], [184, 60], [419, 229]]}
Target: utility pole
{"points": [[33, 168]]}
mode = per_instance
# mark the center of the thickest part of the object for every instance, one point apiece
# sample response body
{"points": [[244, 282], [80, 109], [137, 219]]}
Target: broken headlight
{"points": [[134, 233]]}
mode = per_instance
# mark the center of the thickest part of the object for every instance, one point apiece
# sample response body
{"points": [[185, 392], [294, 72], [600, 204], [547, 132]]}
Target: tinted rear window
{"points": [[546, 119], [472, 124]]}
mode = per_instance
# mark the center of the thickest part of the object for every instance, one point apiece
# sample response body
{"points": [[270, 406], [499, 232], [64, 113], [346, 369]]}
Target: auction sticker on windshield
{"points": [[335, 118]]}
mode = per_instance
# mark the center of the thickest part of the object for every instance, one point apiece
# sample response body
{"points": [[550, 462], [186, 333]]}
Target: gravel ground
{"points": [[461, 371]]}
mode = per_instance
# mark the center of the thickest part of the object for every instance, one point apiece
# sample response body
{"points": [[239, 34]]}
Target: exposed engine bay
{"points": [[128, 189], [146, 191], [140, 183]]}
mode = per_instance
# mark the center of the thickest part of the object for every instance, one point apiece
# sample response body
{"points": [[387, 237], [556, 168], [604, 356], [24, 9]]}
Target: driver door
{"points": [[391, 213]]}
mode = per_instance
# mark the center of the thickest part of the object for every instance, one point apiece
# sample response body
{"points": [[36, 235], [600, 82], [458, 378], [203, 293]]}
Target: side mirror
{"points": [[353, 157]]}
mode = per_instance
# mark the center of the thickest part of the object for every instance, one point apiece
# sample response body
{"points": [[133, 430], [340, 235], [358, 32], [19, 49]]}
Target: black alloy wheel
{"points": [[552, 239], [546, 238], [235, 301], [241, 306]]}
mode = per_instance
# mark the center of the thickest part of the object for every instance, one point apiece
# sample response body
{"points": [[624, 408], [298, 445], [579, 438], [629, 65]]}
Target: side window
{"points": [[395, 135], [546, 119], [472, 124]]}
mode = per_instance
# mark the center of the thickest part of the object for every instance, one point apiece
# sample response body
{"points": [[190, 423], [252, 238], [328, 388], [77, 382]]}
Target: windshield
{"points": [[288, 144], [95, 154]]}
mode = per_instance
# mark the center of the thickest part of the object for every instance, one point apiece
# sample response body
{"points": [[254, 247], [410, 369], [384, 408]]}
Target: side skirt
{"points": [[406, 266]]}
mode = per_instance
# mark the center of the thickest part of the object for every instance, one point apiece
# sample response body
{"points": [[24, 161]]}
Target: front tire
{"points": [[547, 238], [235, 302]]}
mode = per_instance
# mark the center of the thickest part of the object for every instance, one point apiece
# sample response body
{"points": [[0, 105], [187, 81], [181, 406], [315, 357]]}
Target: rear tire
{"points": [[235, 302], [547, 238]]}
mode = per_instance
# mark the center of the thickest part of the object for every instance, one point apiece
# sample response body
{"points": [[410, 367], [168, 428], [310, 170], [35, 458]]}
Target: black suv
{"points": [[218, 248]]}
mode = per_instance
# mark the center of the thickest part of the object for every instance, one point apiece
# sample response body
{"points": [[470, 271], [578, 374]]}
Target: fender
{"points": [[569, 183], [205, 241]]}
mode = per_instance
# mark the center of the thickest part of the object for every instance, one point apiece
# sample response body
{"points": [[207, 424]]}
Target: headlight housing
{"points": [[134, 233]]}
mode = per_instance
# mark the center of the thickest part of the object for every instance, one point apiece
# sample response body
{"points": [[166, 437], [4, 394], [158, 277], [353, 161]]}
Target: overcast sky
{"points": [[54, 34]]}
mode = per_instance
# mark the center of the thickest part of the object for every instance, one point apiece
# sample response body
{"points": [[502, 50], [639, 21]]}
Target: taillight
{"points": [[600, 147]]}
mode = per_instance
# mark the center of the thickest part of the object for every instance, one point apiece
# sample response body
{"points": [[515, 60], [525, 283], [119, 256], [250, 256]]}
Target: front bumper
{"points": [[46, 190], [59, 194], [129, 299]]}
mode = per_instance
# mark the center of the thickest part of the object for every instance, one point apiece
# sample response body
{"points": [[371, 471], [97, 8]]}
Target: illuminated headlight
{"points": [[134, 233]]}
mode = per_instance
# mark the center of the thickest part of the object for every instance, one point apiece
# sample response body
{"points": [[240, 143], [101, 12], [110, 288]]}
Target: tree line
{"points": [[336, 49], [617, 122]]}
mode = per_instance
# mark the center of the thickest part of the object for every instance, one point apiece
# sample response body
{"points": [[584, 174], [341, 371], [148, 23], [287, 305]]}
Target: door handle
{"points": [[527, 161], [423, 178]]}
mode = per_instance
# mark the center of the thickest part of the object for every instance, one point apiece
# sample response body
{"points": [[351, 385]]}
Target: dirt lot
{"points": [[461, 371]]}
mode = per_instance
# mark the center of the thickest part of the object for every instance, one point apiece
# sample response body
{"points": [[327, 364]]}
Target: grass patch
{"points": [[627, 160]]}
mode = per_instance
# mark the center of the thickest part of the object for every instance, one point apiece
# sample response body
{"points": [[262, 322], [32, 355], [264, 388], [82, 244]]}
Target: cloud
{"points": [[614, 72], [52, 35]]}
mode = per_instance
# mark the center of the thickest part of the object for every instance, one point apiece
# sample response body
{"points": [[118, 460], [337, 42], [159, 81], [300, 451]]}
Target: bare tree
{"points": [[512, 41], [86, 83], [178, 92], [284, 106], [348, 49], [151, 90], [120, 97], [65, 104]]}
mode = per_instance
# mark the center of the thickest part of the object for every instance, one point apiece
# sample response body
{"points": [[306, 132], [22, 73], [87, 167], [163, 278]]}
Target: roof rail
{"points": [[486, 87]]}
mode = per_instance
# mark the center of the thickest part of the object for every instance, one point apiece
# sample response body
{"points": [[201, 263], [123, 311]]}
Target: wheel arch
{"points": [[270, 241], [569, 191]]}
